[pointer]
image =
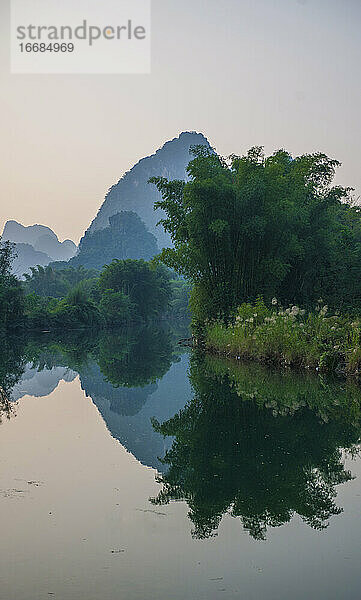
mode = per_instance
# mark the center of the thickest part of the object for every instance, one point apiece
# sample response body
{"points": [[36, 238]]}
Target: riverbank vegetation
{"points": [[289, 337], [268, 227], [125, 291], [255, 226]]}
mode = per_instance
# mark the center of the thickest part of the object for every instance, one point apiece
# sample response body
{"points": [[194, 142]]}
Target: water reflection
{"points": [[5, 406], [137, 357], [130, 376], [12, 364], [260, 446]]}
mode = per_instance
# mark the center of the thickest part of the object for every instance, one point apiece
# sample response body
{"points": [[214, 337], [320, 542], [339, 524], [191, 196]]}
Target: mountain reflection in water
{"points": [[130, 376]]}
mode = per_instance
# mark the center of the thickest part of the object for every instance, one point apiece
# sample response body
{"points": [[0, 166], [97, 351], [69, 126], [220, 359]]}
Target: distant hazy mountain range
{"points": [[36, 245]]}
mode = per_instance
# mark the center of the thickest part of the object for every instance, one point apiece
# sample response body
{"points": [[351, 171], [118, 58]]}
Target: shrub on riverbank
{"points": [[291, 337], [75, 311]]}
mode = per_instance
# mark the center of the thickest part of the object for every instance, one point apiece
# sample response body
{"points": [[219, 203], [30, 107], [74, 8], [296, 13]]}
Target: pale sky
{"points": [[278, 73]]}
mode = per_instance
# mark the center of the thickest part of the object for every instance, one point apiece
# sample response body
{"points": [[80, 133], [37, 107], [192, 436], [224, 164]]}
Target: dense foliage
{"points": [[147, 287], [56, 283], [11, 292], [179, 304], [74, 311], [257, 226], [125, 291]]}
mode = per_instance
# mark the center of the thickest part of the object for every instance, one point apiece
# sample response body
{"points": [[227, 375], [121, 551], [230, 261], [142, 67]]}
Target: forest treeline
{"points": [[125, 291]]}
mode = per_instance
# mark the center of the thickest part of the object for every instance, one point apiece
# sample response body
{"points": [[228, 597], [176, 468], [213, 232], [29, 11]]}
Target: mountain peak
{"points": [[133, 193]]}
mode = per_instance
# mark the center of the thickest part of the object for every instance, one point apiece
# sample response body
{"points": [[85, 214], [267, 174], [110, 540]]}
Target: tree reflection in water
{"points": [[5, 407], [12, 365], [259, 446]]}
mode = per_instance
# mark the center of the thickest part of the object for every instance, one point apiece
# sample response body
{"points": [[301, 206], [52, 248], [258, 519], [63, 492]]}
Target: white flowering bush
{"points": [[289, 336]]}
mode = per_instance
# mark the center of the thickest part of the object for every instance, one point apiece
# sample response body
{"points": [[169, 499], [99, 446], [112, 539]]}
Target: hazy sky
{"points": [[280, 73]]}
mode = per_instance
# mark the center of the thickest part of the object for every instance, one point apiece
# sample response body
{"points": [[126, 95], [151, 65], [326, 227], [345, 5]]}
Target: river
{"points": [[131, 470]]}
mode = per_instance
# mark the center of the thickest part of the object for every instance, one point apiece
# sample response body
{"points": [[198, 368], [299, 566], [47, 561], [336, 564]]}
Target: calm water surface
{"points": [[130, 470]]}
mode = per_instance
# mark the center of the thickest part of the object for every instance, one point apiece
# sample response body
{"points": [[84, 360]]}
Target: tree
{"points": [[253, 226], [148, 287], [55, 283], [47, 282], [11, 293], [76, 311], [179, 306], [116, 307]]}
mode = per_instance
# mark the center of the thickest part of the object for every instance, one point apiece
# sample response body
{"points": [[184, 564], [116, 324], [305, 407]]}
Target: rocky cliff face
{"points": [[133, 193], [125, 237]]}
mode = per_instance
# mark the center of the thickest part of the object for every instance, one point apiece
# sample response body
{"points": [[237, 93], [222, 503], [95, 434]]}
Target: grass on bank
{"points": [[289, 337]]}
